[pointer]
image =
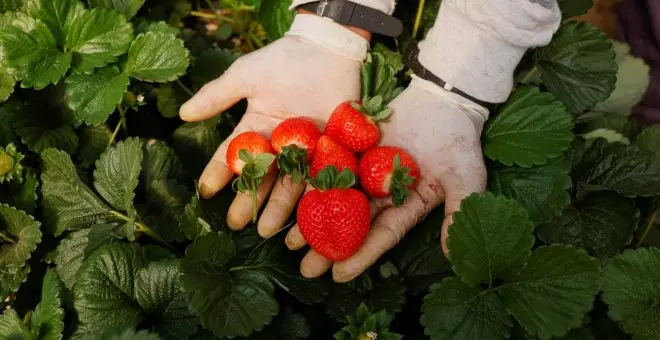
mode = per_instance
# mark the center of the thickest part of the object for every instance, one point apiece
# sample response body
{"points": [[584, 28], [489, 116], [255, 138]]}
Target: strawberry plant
{"points": [[103, 234]]}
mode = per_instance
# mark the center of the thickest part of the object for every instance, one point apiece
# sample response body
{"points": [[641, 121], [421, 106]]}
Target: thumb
{"points": [[454, 195], [218, 95]]}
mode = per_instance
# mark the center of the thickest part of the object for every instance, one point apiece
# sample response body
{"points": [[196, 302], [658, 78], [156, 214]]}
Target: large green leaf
{"points": [[57, 15], [490, 237], [7, 83], [114, 334], [19, 236], [70, 254], [68, 203], [276, 17], [631, 287], [554, 291], [578, 66], [97, 38], [454, 310], [156, 57], [229, 302], [573, 8], [40, 130], [47, 321], [126, 7], [93, 97], [530, 129], [602, 223], [542, 191], [94, 139], [30, 51], [11, 326], [649, 140], [117, 173], [211, 64]]}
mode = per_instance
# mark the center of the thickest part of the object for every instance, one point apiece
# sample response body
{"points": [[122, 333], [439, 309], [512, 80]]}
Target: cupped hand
{"points": [[442, 132], [294, 76]]}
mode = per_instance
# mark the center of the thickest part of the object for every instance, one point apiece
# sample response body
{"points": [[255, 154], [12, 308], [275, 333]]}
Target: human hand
{"points": [[441, 131], [305, 73]]}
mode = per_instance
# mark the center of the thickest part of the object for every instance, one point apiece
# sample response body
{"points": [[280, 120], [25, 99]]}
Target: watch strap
{"points": [[352, 14], [410, 59]]}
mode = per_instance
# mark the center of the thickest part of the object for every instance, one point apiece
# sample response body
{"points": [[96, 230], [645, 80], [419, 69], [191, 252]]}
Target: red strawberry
{"points": [[329, 152], [354, 123], [388, 171], [294, 140], [250, 156], [334, 219]]}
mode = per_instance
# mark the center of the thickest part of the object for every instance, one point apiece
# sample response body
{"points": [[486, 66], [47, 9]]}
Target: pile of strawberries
{"points": [[334, 218]]}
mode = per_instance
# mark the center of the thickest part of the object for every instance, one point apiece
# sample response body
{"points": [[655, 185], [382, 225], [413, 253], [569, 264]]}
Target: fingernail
{"points": [[205, 191], [291, 242]]}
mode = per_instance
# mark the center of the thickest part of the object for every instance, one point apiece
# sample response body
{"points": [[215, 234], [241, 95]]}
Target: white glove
{"points": [[306, 73]]}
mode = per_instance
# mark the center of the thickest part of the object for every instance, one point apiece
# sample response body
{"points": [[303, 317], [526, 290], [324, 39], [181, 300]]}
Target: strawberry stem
{"points": [[254, 170]]}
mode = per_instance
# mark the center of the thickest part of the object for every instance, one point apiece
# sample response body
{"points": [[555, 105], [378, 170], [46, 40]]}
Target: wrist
{"points": [[359, 31]]}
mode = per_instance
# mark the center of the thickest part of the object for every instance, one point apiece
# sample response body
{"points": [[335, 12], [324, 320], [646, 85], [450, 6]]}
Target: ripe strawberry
{"points": [[294, 141], [354, 123], [250, 156], [329, 152], [334, 218], [388, 171]]}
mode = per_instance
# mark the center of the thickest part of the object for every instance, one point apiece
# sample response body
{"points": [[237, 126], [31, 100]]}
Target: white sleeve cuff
{"points": [[385, 6], [330, 35]]}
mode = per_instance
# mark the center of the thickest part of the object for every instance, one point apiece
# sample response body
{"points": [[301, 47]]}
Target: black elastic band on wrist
{"points": [[349, 13]]}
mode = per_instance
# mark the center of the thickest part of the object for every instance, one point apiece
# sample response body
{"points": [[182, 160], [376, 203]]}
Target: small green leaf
{"points": [[169, 99], [490, 237], [97, 38], [68, 203], [126, 7], [574, 8], [70, 254], [610, 135], [542, 191], [276, 17], [7, 83], [156, 57], [10, 5], [26, 197], [230, 302], [31, 53], [602, 223], [454, 310], [591, 121], [8, 111], [117, 173], [19, 236], [211, 64], [379, 74], [578, 66], [93, 97], [554, 291], [57, 15], [286, 326], [532, 128], [192, 224], [195, 143], [94, 140], [47, 321], [631, 288], [11, 326], [10, 282], [366, 325], [649, 140]]}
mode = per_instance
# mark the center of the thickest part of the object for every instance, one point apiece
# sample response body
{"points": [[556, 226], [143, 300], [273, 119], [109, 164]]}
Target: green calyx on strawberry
{"points": [[252, 174], [373, 108], [292, 160], [401, 182], [331, 178]]}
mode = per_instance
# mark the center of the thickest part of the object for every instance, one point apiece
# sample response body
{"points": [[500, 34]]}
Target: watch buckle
{"points": [[321, 9]]}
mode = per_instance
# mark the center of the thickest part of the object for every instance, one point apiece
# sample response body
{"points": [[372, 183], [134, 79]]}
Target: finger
{"points": [[241, 209], [218, 95], [388, 229], [314, 265], [452, 205], [283, 198], [294, 238]]}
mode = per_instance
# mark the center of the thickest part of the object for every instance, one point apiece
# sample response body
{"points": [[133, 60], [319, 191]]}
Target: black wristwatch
{"points": [[410, 59], [351, 14]]}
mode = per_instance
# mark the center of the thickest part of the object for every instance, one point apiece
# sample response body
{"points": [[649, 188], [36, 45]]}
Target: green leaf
{"points": [[114, 334], [379, 74], [554, 291], [100, 235], [602, 223], [7, 83], [26, 197], [578, 66], [31, 53], [11, 326], [631, 288], [574, 8], [159, 292], [286, 326], [542, 191], [69, 256], [8, 111], [193, 225], [454, 310], [211, 64], [47, 321], [532, 128], [169, 99], [10, 5], [10, 282], [57, 15], [160, 162], [632, 80], [629, 171], [94, 140], [276, 18], [126, 7], [97, 38], [41, 130], [195, 143], [156, 57], [591, 121], [364, 324], [104, 290], [68, 203], [11, 169], [93, 97], [156, 27], [19, 236], [649, 140], [229, 302], [117, 173], [490, 237], [610, 135]]}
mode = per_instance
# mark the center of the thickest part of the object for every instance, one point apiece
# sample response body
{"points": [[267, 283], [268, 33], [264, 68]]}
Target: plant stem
{"points": [[143, 228], [114, 135], [244, 268], [185, 88], [418, 18], [4, 237], [203, 15], [529, 75], [122, 117], [648, 227]]}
